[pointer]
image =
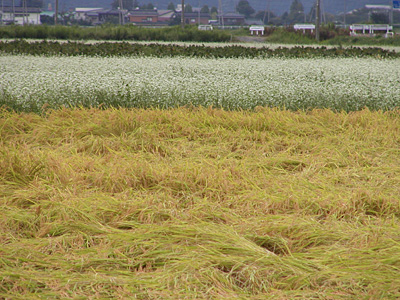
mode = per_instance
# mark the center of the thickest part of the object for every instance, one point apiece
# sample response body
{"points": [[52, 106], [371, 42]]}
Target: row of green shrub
{"points": [[109, 32], [329, 35], [168, 50]]}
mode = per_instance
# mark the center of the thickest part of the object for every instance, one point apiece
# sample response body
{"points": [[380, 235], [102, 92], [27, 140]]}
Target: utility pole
{"points": [[56, 13], [183, 14], [120, 13], [13, 4], [317, 20], [24, 12], [2, 11], [221, 16], [391, 13], [265, 13], [344, 15]]}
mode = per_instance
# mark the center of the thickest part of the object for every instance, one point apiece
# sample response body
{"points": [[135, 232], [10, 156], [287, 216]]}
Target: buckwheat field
{"points": [[346, 84]]}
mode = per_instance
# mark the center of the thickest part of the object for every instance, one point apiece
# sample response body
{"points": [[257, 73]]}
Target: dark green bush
{"points": [[112, 32], [161, 50]]}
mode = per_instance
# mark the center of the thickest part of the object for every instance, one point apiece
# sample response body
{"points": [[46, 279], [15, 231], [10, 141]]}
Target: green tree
{"points": [[148, 6], [263, 16], [296, 12], [188, 8], [311, 15], [214, 10], [285, 18], [244, 8], [127, 4], [205, 9], [46, 20], [379, 18], [171, 6]]}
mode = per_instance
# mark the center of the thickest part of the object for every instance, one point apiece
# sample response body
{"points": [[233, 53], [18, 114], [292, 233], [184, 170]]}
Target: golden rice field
{"points": [[199, 203]]}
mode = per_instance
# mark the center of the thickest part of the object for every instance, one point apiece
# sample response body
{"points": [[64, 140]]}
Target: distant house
{"points": [[195, 18], [97, 15], [20, 15], [143, 16], [89, 14], [111, 15], [165, 15], [93, 17], [231, 19]]}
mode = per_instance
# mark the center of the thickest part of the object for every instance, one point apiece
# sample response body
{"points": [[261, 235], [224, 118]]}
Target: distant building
{"points": [[97, 15], [88, 14], [111, 15], [20, 15], [143, 16], [195, 18], [165, 15], [371, 29], [231, 19], [304, 27]]}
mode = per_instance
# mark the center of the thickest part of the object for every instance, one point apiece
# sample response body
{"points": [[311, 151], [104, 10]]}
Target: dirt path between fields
{"points": [[251, 39]]}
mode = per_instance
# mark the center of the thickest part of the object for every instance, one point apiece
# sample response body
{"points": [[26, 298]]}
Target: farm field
{"points": [[199, 203], [227, 173], [30, 83]]}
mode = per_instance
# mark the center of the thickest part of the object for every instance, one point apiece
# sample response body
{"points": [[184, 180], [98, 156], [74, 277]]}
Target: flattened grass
{"points": [[199, 203]]}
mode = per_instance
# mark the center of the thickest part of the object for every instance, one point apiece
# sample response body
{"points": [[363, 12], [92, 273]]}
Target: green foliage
{"points": [[148, 6], [46, 20], [161, 50], [111, 32], [296, 13], [380, 18], [171, 6], [126, 4], [188, 8], [360, 40], [205, 9], [244, 8], [263, 16]]}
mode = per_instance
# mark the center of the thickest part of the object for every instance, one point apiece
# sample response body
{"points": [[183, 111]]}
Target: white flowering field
{"points": [[29, 83]]}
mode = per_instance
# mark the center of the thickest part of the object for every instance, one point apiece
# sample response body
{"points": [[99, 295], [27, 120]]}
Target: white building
{"points": [[20, 15], [304, 27]]}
